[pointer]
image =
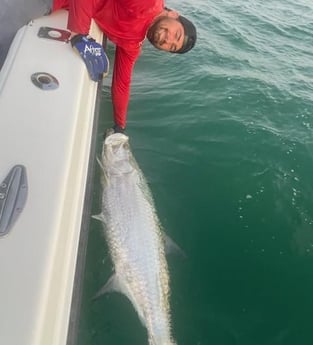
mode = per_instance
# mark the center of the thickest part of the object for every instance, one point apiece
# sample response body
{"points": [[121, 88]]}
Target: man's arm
{"points": [[80, 15], [123, 68], [79, 20]]}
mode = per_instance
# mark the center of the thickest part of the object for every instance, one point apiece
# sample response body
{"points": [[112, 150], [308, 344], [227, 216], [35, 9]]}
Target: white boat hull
{"points": [[48, 132]]}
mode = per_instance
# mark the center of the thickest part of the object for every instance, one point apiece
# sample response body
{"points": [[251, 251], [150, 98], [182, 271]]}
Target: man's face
{"points": [[167, 34]]}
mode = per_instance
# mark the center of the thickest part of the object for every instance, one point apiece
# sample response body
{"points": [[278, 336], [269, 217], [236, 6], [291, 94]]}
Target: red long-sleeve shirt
{"points": [[125, 23]]}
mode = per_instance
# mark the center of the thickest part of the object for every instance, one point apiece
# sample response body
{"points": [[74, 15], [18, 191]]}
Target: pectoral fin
{"points": [[98, 217], [172, 248], [112, 285]]}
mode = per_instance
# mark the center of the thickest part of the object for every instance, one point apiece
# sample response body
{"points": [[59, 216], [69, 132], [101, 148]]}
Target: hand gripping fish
{"points": [[135, 239]]}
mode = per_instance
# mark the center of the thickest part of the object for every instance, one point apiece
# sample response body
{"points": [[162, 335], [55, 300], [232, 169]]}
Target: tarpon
{"points": [[135, 239]]}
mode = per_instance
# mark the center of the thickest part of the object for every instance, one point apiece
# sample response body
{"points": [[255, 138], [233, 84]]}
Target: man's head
{"points": [[172, 32]]}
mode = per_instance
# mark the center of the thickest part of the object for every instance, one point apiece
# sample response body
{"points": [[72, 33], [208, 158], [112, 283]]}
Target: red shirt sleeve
{"points": [[80, 15], [123, 68]]}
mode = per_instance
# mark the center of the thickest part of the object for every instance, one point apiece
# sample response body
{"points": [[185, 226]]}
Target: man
{"points": [[126, 23]]}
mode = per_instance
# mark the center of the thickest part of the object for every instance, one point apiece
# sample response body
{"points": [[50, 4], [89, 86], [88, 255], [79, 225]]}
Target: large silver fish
{"points": [[135, 239]]}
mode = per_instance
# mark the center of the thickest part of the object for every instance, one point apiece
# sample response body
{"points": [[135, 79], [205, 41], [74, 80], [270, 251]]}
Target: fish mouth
{"points": [[116, 139], [116, 150]]}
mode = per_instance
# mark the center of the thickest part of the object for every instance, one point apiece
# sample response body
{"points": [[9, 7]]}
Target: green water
{"points": [[224, 137]]}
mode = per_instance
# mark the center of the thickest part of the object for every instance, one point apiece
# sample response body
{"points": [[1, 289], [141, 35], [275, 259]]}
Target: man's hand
{"points": [[118, 129], [113, 130], [92, 53]]}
